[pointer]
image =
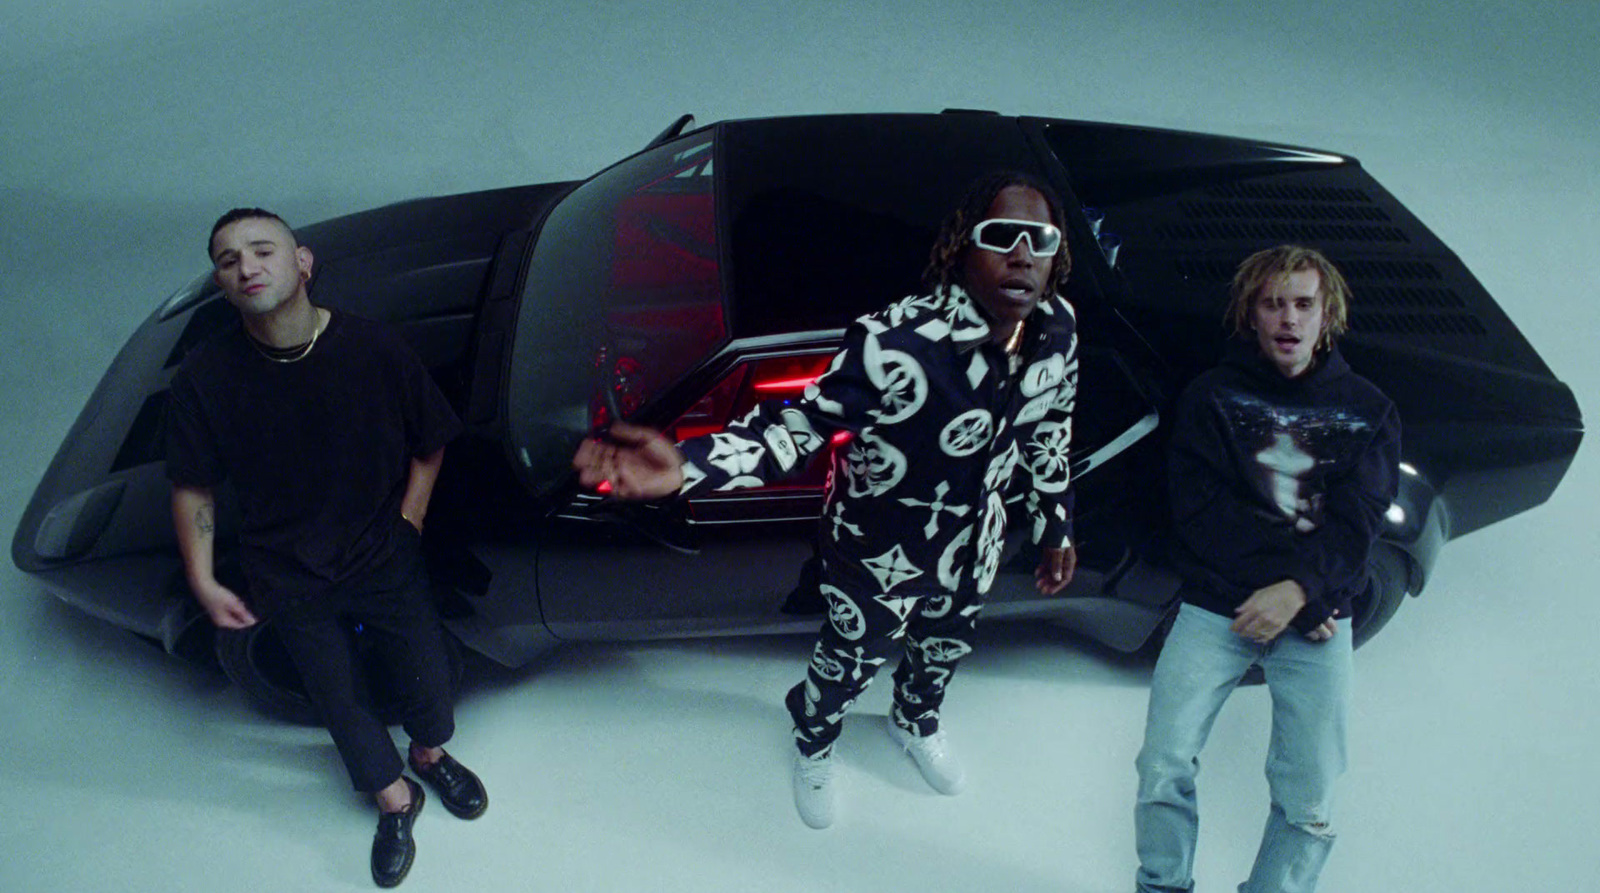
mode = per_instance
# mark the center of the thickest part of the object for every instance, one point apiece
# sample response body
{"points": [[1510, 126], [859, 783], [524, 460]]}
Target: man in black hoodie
{"points": [[1282, 463]]}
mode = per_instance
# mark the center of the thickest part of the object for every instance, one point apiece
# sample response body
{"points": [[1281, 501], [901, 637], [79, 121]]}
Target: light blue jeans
{"points": [[1199, 667]]}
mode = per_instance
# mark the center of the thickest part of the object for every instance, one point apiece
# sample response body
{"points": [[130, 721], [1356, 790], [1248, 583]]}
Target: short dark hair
{"points": [[956, 235], [238, 214], [1259, 269]]}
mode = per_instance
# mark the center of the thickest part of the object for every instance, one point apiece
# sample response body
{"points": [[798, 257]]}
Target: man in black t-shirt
{"points": [[332, 434]]}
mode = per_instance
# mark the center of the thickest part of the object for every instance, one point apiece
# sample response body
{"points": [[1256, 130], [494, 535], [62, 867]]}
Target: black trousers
{"points": [[931, 630], [395, 610]]}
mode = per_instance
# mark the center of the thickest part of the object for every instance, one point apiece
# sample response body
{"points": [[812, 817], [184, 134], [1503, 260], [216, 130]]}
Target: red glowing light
{"points": [[787, 384]]}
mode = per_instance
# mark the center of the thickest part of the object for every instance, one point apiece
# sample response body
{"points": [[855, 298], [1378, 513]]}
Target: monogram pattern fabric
{"points": [[944, 426]]}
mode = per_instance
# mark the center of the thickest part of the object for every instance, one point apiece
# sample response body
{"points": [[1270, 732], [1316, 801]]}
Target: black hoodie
{"points": [[1276, 478]]}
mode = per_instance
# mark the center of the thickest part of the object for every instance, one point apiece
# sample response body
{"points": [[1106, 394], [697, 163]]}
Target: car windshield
{"points": [[623, 296]]}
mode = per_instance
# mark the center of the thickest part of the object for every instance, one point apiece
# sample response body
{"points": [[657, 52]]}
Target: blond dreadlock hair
{"points": [[1261, 268]]}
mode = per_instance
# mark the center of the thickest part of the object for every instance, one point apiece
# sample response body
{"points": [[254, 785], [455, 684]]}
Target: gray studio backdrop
{"points": [[129, 125]]}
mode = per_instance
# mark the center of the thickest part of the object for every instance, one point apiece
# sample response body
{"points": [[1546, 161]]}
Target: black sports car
{"points": [[720, 266]]}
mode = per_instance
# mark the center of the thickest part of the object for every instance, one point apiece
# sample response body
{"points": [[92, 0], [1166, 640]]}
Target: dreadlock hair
{"points": [[955, 237], [238, 214], [1261, 268]]}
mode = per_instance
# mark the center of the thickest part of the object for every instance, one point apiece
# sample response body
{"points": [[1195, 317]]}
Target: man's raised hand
{"points": [[639, 462]]}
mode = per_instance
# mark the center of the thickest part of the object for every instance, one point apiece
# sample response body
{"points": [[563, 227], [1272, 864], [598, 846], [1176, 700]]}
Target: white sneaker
{"points": [[939, 766], [813, 788]]}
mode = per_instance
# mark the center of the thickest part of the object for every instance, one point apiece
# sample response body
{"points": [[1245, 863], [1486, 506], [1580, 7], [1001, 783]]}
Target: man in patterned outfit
{"points": [[951, 398], [1282, 463]]}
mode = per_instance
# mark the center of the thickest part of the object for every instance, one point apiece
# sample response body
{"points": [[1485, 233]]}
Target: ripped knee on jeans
{"points": [[1314, 827]]}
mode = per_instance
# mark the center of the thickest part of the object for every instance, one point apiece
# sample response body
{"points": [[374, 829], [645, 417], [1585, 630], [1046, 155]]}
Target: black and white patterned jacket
{"points": [[945, 426]]}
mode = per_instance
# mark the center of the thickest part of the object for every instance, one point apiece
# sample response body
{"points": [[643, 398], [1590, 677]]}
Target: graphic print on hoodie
{"points": [[1294, 448]]}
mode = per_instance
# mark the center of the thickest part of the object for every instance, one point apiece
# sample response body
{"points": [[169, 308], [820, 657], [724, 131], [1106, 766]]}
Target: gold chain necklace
{"points": [[299, 353], [1015, 341]]}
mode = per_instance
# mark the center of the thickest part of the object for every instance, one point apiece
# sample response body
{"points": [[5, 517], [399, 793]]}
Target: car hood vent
{"points": [[1281, 213], [1273, 231], [1236, 210], [1392, 297], [1294, 192]]}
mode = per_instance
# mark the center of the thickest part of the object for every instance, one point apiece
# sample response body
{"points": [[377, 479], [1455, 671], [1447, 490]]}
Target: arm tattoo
{"points": [[204, 523]]}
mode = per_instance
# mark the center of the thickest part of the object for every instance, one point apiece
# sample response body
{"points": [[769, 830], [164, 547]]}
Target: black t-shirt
{"points": [[318, 450]]}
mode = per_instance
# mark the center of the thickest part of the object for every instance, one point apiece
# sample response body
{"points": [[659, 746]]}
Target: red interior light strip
{"points": [[787, 384]]}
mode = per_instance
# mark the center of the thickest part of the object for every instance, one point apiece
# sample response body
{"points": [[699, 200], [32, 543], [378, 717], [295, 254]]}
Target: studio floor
{"points": [[664, 766]]}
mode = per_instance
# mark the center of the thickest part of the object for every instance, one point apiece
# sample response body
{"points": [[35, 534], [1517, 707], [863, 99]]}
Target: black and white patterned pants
{"points": [[930, 629]]}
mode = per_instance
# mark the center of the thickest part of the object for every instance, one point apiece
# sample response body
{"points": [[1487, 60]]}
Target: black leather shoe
{"points": [[392, 847], [459, 789]]}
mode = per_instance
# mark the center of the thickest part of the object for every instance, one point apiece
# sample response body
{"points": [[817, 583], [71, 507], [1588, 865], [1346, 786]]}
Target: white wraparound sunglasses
{"points": [[1001, 234]]}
